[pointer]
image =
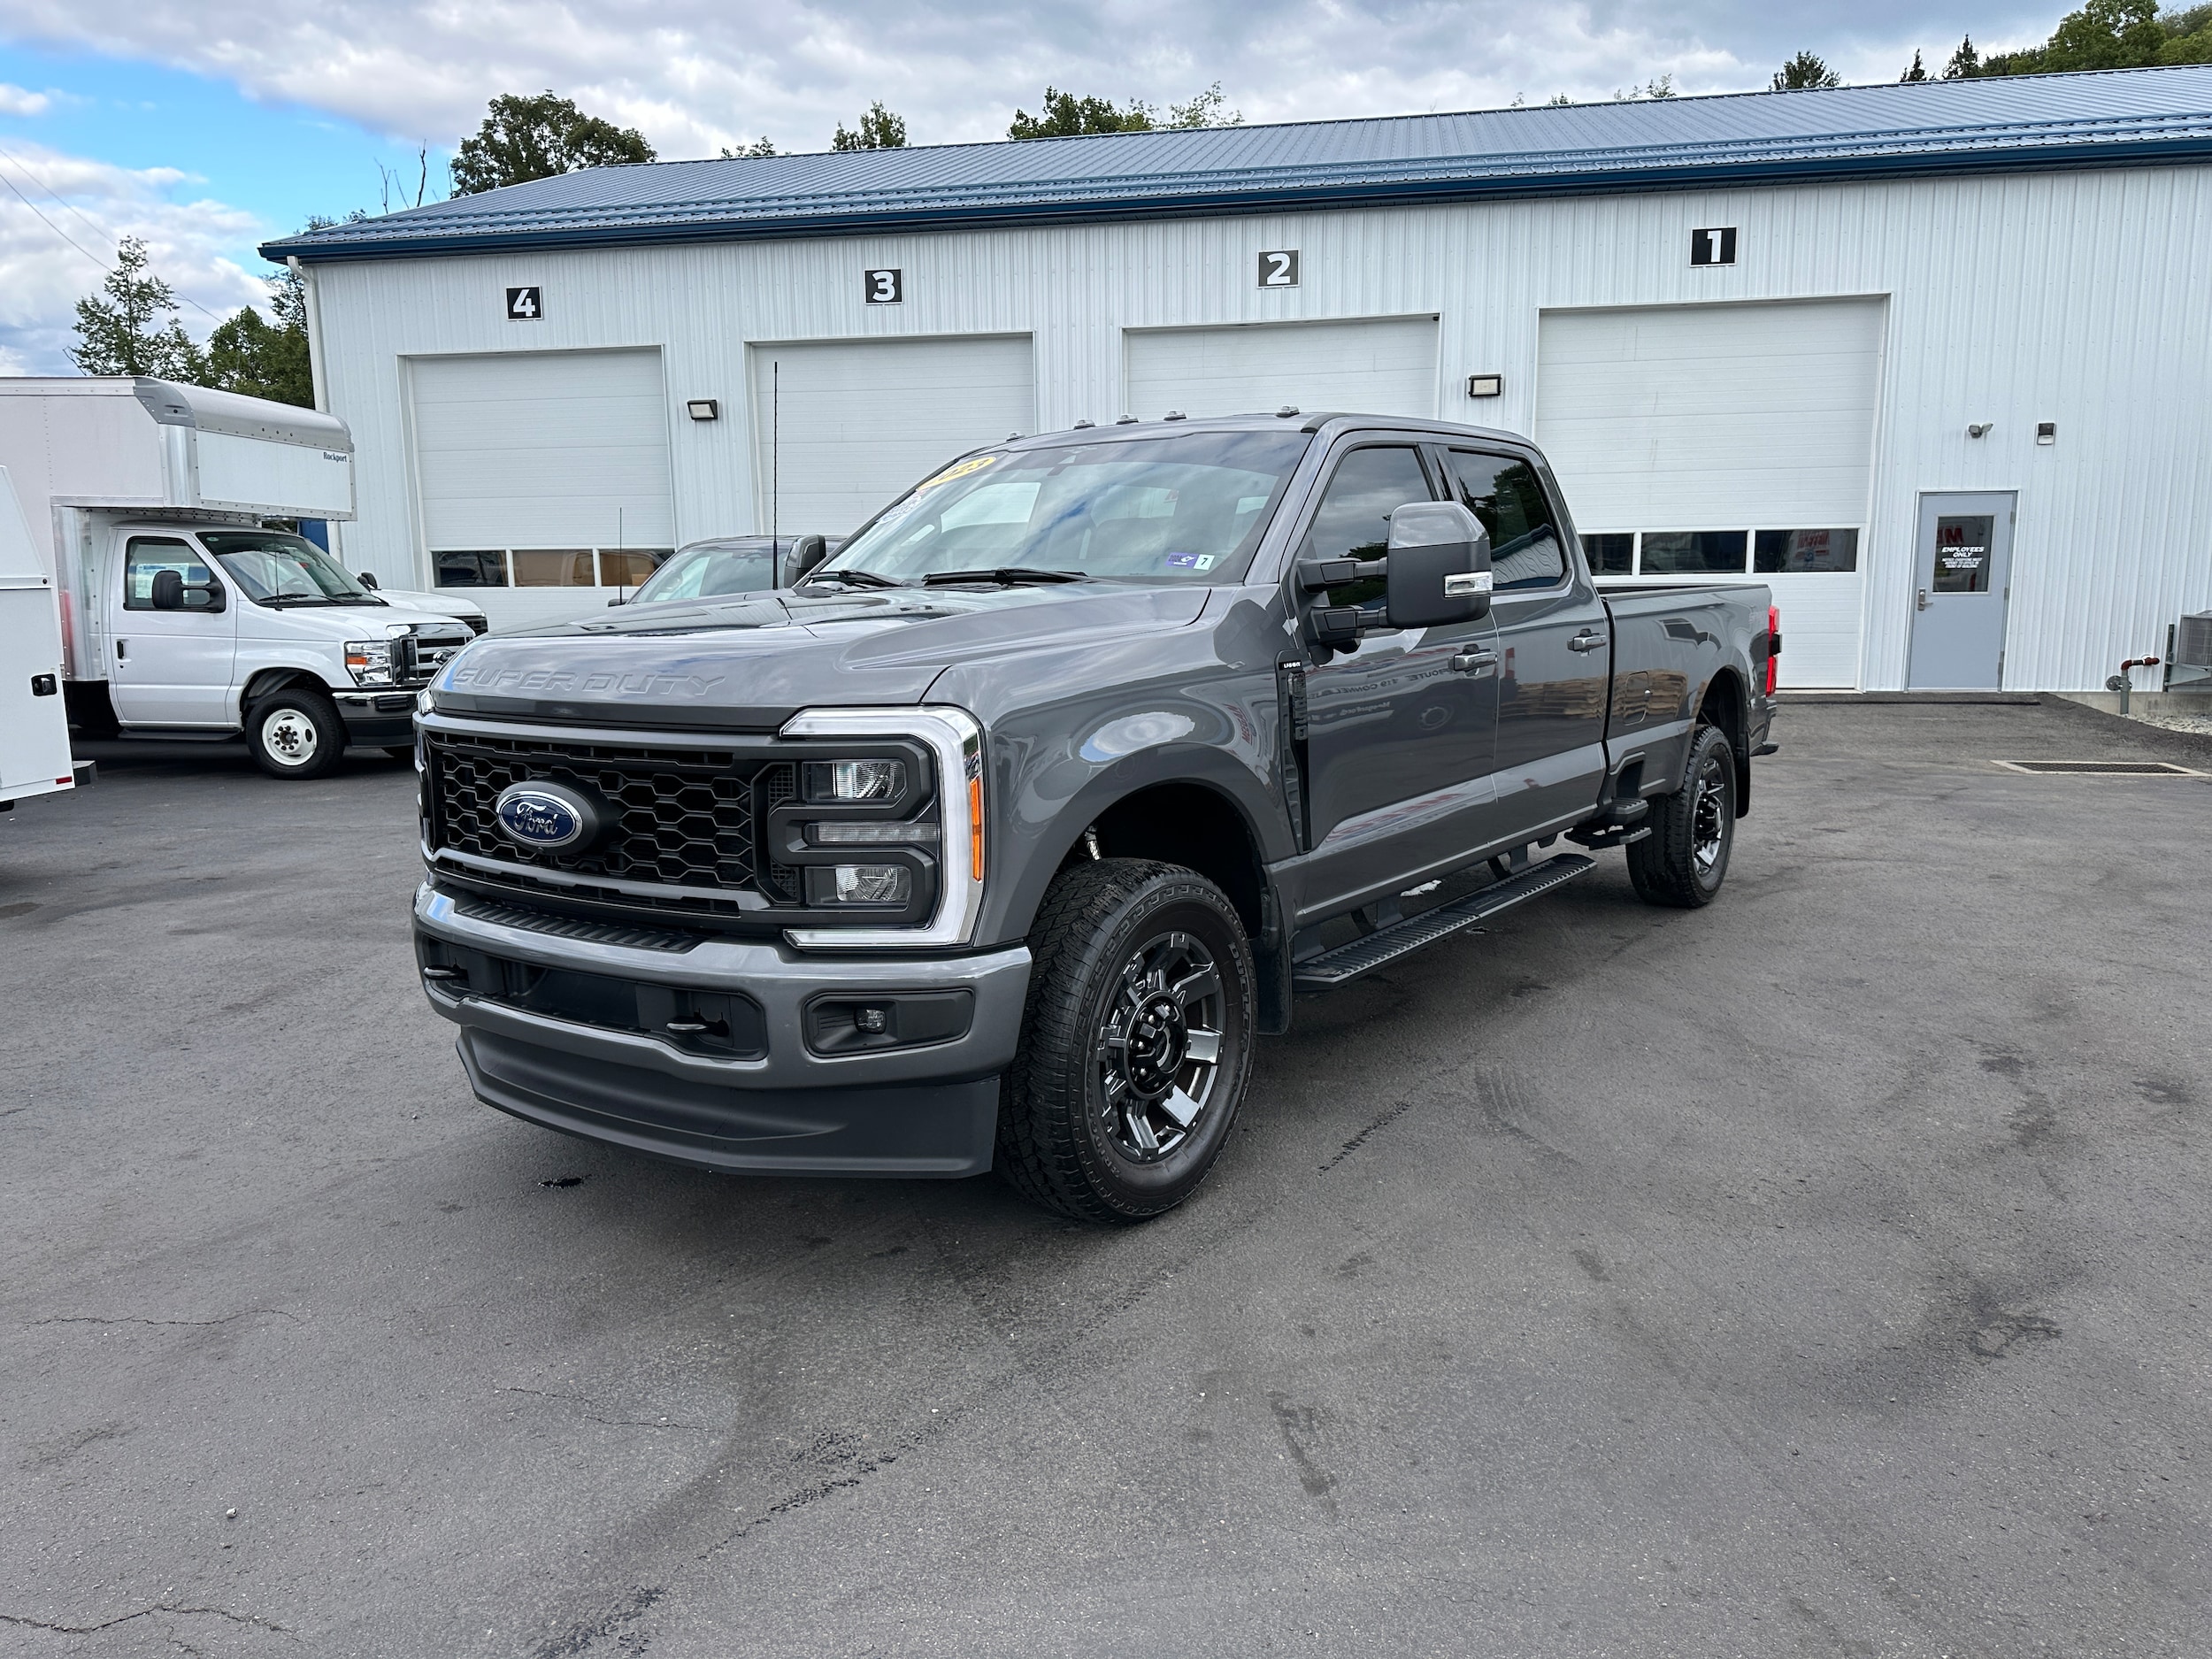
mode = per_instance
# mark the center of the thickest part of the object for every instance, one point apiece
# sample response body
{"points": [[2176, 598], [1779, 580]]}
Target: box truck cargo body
{"points": [[188, 609], [34, 758]]}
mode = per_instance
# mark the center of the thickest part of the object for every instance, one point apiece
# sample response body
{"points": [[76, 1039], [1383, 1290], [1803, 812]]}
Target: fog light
{"points": [[854, 780], [872, 1020], [859, 884]]}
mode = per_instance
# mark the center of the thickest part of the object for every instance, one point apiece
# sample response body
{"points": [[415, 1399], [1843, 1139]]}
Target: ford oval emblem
{"points": [[544, 816]]}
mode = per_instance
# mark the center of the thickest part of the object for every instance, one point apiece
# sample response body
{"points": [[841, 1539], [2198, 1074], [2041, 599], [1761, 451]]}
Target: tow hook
{"points": [[2120, 683]]}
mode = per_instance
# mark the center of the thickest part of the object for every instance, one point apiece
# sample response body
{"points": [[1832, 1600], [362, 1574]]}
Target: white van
{"points": [[184, 614]]}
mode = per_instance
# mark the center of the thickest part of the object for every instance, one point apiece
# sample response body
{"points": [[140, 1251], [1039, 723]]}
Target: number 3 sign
{"points": [[883, 288]]}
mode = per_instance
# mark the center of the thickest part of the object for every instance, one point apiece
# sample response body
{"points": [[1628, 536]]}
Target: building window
{"points": [[1781, 552], [1721, 552], [470, 569], [1694, 552], [547, 567], [1613, 554]]}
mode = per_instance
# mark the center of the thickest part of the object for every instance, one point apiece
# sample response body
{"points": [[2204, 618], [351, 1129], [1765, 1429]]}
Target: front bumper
{"points": [[779, 1107], [377, 719]]}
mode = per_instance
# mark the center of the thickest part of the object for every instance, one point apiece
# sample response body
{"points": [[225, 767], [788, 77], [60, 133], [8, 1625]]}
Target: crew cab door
{"points": [[1553, 644], [170, 667], [1401, 725]]}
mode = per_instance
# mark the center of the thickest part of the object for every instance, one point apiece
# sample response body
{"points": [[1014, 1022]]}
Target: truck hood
{"points": [[342, 622], [748, 664]]}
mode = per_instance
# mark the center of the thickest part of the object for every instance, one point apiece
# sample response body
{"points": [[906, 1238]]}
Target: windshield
{"points": [[1183, 509], [276, 568], [743, 565]]}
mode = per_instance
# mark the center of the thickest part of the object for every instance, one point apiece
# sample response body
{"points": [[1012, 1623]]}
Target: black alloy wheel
{"points": [[1136, 1042], [1684, 860]]}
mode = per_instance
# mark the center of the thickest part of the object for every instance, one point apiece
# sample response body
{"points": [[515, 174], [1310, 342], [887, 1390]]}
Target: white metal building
{"points": [[1879, 346]]}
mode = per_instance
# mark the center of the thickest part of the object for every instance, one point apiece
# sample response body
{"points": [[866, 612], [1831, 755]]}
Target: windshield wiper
{"points": [[297, 599], [851, 579], [1005, 575]]}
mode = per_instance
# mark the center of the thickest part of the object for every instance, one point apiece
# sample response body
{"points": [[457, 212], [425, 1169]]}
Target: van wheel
{"points": [[296, 732], [1684, 860], [1136, 1042]]}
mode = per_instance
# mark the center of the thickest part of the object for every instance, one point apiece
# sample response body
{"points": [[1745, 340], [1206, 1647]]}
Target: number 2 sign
{"points": [[1279, 269], [525, 305]]}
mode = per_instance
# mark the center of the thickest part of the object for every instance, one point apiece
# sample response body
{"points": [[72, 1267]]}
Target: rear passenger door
{"points": [[1398, 738], [1553, 648]]}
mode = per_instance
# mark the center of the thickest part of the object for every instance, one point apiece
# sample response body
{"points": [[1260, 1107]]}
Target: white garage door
{"points": [[842, 429], [541, 473], [1697, 441], [1380, 366]]}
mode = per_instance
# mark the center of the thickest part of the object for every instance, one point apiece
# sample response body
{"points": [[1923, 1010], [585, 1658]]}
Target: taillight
{"points": [[1774, 645]]}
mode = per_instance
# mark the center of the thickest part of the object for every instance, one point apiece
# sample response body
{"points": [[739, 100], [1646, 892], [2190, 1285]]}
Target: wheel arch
{"points": [[1726, 705]]}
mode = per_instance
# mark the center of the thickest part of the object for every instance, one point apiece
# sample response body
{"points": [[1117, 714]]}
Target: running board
{"points": [[1348, 961]]}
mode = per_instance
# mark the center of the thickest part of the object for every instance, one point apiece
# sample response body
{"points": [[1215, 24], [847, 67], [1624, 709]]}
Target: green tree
{"points": [[757, 150], [880, 129], [1965, 63], [119, 331], [2188, 36], [1916, 73], [249, 354], [2105, 34], [1803, 72], [1063, 115], [1209, 108], [540, 137], [1657, 87]]}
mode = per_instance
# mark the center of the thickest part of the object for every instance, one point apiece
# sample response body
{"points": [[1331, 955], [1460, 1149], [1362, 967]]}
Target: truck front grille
{"points": [[684, 817]]}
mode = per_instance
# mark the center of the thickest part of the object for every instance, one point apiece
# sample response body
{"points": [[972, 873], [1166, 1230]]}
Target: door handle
{"points": [[1476, 662], [120, 654], [1921, 602], [1586, 642]]}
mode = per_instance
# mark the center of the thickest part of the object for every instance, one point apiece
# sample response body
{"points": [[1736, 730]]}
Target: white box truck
{"points": [[35, 757], [185, 613]]}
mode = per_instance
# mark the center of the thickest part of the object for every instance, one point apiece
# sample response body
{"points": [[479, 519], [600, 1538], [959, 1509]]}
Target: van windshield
{"points": [[1183, 509], [278, 569]]}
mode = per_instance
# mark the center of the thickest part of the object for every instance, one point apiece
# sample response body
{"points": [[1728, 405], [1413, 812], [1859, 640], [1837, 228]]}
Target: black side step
{"points": [[1348, 961]]}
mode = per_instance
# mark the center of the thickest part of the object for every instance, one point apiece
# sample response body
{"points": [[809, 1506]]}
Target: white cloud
{"points": [[696, 75], [49, 201], [18, 100]]}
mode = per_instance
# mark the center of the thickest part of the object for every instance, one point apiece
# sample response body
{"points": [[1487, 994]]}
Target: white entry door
{"points": [[842, 428], [1384, 365]]}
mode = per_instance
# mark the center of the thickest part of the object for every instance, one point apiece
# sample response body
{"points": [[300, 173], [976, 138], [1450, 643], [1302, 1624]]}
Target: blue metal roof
{"points": [[2115, 118]]}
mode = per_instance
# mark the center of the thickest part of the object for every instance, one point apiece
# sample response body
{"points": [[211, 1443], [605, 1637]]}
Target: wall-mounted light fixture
{"points": [[1486, 386], [704, 408], [1979, 429], [2047, 432]]}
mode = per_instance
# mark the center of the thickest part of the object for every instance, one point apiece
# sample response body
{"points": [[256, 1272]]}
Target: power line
{"points": [[65, 235]]}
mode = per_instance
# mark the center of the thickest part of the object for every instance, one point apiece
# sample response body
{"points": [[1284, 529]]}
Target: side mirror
{"points": [[368, 579], [806, 553], [1439, 568], [168, 590]]}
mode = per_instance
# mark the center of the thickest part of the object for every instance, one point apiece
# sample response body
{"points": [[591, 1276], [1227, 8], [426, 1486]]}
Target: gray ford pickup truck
{"points": [[1001, 838]]}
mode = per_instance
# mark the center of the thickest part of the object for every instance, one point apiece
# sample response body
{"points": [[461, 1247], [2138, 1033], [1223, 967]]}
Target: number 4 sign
{"points": [[525, 305]]}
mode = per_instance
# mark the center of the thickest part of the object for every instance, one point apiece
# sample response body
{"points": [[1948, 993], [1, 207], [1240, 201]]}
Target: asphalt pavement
{"points": [[1824, 1273]]}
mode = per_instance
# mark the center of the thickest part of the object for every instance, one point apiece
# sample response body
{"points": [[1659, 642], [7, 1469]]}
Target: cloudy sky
{"points": [[204, 127]]}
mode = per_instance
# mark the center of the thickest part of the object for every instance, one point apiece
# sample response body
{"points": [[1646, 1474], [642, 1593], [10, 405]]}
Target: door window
{"points": [[1353, 520], [145, 555], [1961, 554], [1504, 492]]}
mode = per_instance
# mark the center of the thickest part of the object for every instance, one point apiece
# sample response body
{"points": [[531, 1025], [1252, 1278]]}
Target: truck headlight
{"points": [[948, 880], [844, 781], [859, 884], [369, 662]]}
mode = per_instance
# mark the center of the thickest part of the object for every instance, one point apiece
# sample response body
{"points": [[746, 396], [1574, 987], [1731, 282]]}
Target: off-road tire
{"points": [[296, 732], [1684, 860], [1061, 1143]]}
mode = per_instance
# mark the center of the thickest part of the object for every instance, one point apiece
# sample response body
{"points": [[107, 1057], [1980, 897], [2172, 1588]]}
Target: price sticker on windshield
{"points": [[958, 469]]}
